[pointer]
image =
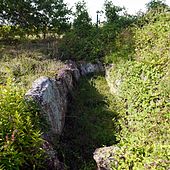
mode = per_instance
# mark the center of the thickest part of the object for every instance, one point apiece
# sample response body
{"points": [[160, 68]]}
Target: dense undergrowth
{"points": [[143, 98], [20, 130], [21, 142], [141, 74], [89, 123]]}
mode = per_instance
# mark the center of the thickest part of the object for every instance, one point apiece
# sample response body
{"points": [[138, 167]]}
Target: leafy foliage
{"points": [[82, 22], [144, 99], [156, 5], [116, 15], [123, 47], [88, 42], [20, 135], [35, 17], [112, 11]]}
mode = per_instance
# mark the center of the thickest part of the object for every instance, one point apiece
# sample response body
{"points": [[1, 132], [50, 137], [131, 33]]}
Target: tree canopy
{"points": [[35, 15], [82, 22]]}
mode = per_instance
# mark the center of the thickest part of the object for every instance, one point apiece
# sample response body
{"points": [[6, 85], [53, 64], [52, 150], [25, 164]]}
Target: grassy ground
{"points": [[89, 123], [28, 60]]}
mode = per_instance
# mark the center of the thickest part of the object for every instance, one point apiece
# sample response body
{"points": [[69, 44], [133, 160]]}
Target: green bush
{"points": [[11, 33], [86, 48], [98, 43], [20, 135], [143, 100], [123, 46], [90, 42]]}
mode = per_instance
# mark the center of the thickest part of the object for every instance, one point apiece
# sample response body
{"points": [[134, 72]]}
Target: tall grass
{"points": [[20, 120], [27, 63]]}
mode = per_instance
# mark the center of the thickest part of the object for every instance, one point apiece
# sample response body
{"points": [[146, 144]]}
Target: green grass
{"points": [[89, 123], [27, 61], [20, 122]]}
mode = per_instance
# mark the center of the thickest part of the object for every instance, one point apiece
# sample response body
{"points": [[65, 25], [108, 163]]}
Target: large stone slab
{"points": [[52, 99], [87, 68], [113, 84], [52, 96]]}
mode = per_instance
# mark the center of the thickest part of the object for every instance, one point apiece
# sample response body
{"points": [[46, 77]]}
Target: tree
{"points": [[156, 4], [35, 15], [117, 17], [54, 15], [111, 11], [82, 22]]}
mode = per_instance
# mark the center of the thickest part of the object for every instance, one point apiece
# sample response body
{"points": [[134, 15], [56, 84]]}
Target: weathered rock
{"points": [[73, 67], [104, 157], [52, 161], [53, 102], [52, 96], [113, 84], [91, 68]]}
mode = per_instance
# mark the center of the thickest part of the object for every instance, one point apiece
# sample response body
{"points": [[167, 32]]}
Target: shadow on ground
{"points": [[88, 124]]}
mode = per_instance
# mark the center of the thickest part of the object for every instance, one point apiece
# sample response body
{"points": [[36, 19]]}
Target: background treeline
{"points": [[89, 41], [81, 39], [33, 17]]}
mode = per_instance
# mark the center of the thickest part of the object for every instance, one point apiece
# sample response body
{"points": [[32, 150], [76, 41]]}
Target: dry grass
{"points": [[29, 60]]}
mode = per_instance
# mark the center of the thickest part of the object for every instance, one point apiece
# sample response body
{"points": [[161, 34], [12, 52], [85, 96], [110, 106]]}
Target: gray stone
{"points": [[52, 162], [73, 67], [52, 96], [104, 157], [91, 68], [113, 84], [52, 100]]}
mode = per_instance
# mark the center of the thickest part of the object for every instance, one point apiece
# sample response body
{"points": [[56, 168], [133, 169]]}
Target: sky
{"points": [[132, 6]]}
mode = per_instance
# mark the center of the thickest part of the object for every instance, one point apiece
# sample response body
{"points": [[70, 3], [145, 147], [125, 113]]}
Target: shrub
{"points": [[20, 135], [123, 47], [144, 100], [98, 43], [90, 42]]}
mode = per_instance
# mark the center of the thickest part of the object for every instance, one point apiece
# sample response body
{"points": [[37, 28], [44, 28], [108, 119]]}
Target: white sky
{"points": [[132, 6]]}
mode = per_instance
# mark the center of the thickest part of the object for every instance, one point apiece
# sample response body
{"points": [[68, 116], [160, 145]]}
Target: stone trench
{"points": [[52, 95]]}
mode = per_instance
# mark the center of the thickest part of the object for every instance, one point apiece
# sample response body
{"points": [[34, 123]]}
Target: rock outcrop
{"points": [[114, 83], [87, 68], [52, 95]]}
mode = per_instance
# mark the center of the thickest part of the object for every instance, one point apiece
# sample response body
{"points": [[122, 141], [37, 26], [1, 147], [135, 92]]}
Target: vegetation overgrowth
{"points": [[89, 123], [28, 61], [143, 96], [86, 41], [138, 46], [35, 18], [20, 130]]}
